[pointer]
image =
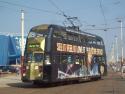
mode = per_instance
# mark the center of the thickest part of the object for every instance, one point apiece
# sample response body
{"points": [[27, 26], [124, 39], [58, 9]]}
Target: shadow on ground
{"points": [[31, 85], [120, 79]]}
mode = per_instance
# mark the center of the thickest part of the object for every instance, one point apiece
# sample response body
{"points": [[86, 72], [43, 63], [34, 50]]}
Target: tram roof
{"points": [[47, 26]]}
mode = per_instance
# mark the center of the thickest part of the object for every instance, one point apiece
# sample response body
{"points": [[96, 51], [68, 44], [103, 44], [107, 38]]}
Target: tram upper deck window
{"points": [[60, 34], [77, 38], [70, 37], [73, 37], [99, 42], [83, 39], [33, 34], [91, 42], [94, 42]]}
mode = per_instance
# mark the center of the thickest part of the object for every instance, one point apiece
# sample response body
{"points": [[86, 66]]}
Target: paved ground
{"points": [[112, 84], [9, 78]]}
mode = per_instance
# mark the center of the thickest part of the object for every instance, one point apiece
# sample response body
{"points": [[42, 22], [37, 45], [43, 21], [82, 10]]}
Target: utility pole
{"points": [[122, 54], [22, 37], [122, 50], [121, 42], [116, 41], [112, 54]]}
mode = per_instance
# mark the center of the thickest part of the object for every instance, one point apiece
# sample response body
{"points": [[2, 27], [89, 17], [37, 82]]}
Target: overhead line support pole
{"points": [[22, 41]]}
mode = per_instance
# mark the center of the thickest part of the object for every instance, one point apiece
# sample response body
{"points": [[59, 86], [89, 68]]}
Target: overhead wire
{"points": [[111, 28], [57, 13], [56, 6], [61, 11], [28, 7], [70, 19], [102, 12]]}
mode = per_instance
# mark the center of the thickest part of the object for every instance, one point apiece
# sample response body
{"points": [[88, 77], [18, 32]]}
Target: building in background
{"points": [[10, 50]]}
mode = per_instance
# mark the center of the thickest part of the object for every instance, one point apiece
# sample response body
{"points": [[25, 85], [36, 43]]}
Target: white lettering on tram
{"points": [[78, 49]]}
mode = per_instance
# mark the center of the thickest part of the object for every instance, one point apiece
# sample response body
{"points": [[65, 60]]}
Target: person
{"points": [[17, 70], [123, 71], [0, 72]]}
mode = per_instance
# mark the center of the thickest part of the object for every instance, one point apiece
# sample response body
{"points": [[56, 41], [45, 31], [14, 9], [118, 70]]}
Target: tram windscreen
{"points": [[38, 57]]}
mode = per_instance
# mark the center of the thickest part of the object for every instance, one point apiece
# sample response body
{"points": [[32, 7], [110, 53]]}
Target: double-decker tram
{"points": [[55, 54]]}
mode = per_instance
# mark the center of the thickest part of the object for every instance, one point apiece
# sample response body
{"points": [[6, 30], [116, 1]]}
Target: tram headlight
{"points": [[39, 74], [24, 74], [27, 67], [36, 67]]}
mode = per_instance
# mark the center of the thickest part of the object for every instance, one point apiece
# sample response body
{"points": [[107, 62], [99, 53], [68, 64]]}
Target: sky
{"points": [[94, 15]]}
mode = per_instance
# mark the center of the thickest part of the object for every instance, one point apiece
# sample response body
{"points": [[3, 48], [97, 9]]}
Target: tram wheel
{"points": [[36, 83]]}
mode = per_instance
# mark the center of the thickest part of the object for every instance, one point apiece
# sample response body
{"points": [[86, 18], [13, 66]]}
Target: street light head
{"points": [[119, 21], [115, 36], [105, 29]]}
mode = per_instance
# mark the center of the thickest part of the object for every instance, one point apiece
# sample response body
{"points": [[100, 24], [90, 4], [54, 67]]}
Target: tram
{"points": [[55, 53]]}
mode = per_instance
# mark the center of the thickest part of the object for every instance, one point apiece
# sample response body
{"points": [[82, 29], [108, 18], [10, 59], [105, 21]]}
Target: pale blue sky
{"points": [[88, 11]]}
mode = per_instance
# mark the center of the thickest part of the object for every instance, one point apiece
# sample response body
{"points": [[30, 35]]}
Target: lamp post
{"points": [[22, 41], [122, 50], [116, 41], [22, 33]]}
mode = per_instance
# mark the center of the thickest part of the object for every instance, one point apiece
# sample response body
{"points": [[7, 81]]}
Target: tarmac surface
{"points": [[9, 78], [111, 84]]}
